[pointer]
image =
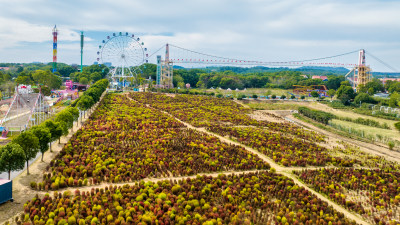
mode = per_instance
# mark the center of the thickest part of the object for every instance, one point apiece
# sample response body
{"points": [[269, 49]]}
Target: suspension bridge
{"points": [[355, 61]]}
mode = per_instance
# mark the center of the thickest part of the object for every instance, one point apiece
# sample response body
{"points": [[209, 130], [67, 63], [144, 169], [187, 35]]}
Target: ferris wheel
{"points": [[124, 54]]}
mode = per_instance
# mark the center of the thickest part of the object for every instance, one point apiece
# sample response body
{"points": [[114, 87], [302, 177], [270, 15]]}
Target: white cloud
{"points": [[252, 29]]}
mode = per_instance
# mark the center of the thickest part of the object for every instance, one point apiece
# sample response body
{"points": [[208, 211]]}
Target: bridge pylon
{"points": [[361, 73], [164, 71]]}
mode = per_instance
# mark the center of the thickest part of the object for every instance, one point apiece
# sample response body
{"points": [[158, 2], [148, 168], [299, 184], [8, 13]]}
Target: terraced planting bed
{"points": [[374, 194], [137, 137], [252, 198], [283, 150], [127, 141], [203, 111]]}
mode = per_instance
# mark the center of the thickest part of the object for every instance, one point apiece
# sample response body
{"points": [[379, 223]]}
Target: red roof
{"points": [[320, 77]]}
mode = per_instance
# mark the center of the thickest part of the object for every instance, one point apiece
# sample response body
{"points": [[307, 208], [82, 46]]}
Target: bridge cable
{"points": [[155, 52], [385, 64], [307, 60]]}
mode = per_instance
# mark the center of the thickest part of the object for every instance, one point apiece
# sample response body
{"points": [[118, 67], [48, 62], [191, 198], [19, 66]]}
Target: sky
{"points": [[261, 30]]}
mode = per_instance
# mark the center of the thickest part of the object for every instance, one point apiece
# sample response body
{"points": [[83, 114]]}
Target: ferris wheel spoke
{"points": [[126, 54]]}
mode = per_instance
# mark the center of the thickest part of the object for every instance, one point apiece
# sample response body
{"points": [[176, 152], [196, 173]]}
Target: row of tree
{"points": [[228, 79], [25, 146]]}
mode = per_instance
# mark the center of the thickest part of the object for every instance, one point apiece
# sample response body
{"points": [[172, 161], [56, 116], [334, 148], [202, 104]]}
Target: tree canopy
{"points": [[30, 145], [44, 136], [12, 158]]}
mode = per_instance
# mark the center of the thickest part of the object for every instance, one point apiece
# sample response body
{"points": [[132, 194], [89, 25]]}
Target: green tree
{"points": [[83, 80], [388, 84], [47, 78], [176, 80], [394, 99], [55, 130], [334, 82], [315, 94], [45, 91], [23, 80], [30, 145], [66, 120], [200, 85], [394, 87], [397, 126], [363, 98], [84, 103], [362, 88], [376, 85], [371, 91], [331, 93], [44, 136], [181, 85], [345, 94], [96, 76], [94, 92], [75, 113], [12, 158], [345, 83]]}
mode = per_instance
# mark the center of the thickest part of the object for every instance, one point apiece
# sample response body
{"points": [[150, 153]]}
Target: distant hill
{"points": [[388, 75], [309, 70]]}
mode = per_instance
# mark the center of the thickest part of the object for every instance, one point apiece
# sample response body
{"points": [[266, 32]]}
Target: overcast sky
{"points": [[264, 30]]}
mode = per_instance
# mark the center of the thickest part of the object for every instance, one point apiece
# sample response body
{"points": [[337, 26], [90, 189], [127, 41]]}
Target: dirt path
{"points": [[21, 184]]}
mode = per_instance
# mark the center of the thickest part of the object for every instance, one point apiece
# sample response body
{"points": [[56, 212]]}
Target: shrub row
{"points": [[252, 198], [319, 116]]}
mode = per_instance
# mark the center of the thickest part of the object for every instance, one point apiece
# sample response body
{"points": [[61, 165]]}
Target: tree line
{"points": [[228, 79], [26, 145]]}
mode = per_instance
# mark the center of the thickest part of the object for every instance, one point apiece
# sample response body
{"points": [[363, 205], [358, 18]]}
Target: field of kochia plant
{"points": [[374, 194], [201, 111], [127, 141], [252, 198], [287, 151], [131, 137]]}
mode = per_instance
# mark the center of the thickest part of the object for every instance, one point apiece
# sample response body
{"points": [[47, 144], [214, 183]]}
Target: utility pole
{"points": [[82, 37]]}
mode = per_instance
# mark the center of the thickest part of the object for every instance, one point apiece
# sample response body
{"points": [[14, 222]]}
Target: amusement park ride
{"points": [[126, 53]]}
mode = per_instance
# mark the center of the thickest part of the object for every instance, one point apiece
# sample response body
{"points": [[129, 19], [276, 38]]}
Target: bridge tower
{"points": [[362, 72], [164, 71]]}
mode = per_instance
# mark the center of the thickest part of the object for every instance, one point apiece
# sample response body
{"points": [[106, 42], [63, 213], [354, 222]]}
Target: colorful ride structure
{"points": [[306, 90], [126, 53]]}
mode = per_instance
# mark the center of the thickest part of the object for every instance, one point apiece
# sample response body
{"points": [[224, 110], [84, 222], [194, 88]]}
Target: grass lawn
{"points": [[369, 130], [350, 114], [273, 106]]}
